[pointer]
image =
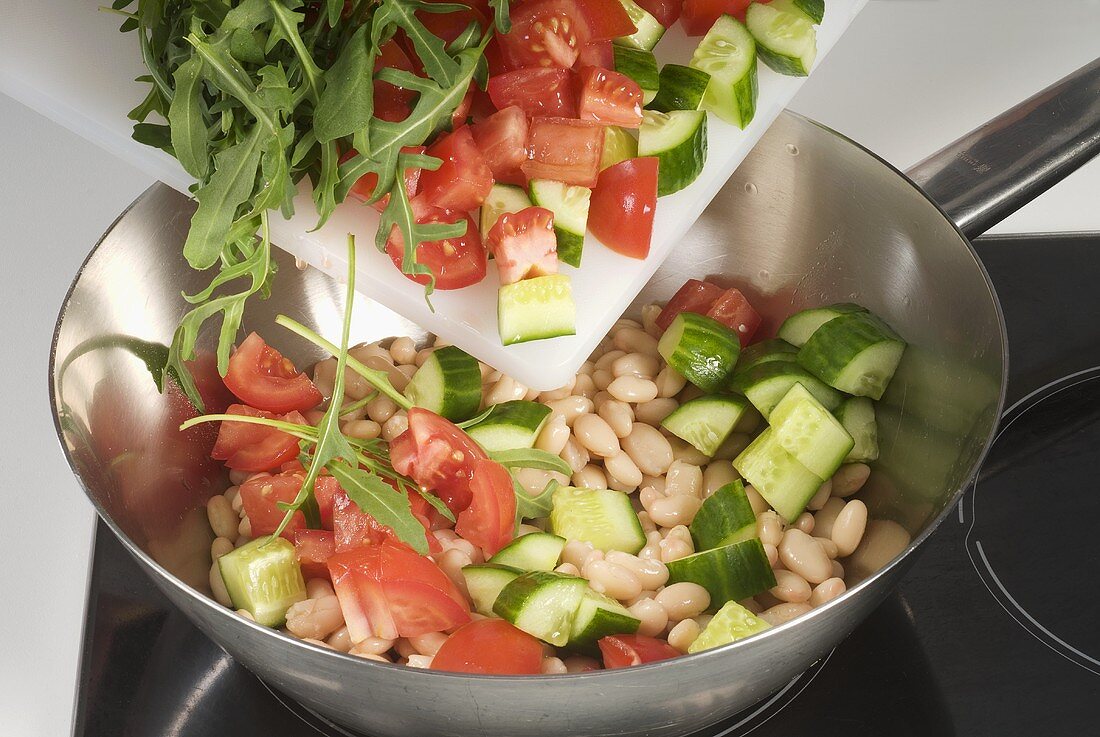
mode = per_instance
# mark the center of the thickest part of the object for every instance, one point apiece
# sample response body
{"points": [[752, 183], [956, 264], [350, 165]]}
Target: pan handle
{"points": [[999, 167]]}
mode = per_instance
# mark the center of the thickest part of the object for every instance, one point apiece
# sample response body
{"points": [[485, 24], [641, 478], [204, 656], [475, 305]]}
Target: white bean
{"points": [[882, 540], [622, 468], [652, 573], [683, 634], [552, 666], [825, 517], [649, 449], [396, 425], [676, 544], [223, 520], [850, 478], [817, 501], [849, 527], [801, 553], [428, 644], [575, 455], [403, 350], [611, 579], [643, 365], [785, 612], [686, 452], [604, 362], [650, 313], [217, 586], [554, 435], [790, 587], [716, 475], [561, 392], [769, 528], [635, 340], [684, 478], [758, 503], [683, 600], [804, 522], [571, 407], [670, 382], [381, 408], [618, 415], [652, 616], [602, 378], [669, 511], [632, 389], [590, 477], [315, 618], [826, 591], [593, 432], [585, 387], [651, 413]]}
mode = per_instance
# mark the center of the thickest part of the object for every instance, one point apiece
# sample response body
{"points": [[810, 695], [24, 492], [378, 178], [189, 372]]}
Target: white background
{"points": [[910, 76]]}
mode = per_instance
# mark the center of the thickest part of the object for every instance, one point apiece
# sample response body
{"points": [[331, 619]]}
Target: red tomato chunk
{"points": [[695, 296], [454, 262], [549, 92], [314, 548], [523, 244], [260, 377], [623, 204], [260, 497], [564, 150], [623, 651], [463, 180], [502, 138], [490, 646], [438, 455], [249, 447], [733, 310], [610, 98], [699, 15], [490, 519]]}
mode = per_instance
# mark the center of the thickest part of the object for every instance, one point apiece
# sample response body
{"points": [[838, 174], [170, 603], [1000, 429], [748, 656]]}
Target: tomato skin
{"points": [[352, 527], [260, 377], [489, 522], [490, 646], [314, 548], [248, 447], [537, 92], [666, 12], [463, 180], [325, 489], [524, 245], [260, 497], [387, 590], [623, 204], [502, 138], [564, 150], [699, 15], [455, 262], [605, 20], [623, 651], [694, 296], [609, 98], [733, 310], [393, 103], [438, 455], [544, 34], [597, 54], [363, 189]]}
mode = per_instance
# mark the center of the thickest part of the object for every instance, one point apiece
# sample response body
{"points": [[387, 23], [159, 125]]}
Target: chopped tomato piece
{"points": [[733, 310], [353, 527], [314, 548], [597, 54], [502, 138], [490, 646], [695, 296], [699, 15], [490, 520], [449, 26], [545, 92], [604, 20], [622, 207], [393, 103], [261, 496], [260, 377], [245, 446], [609, 98], [438, 455], [454, 262], [461, 114], [481, 106], [363, 189], [564, 150], [666, 12], [623, 651], [550, 33], [523, 244], [325, 490], [389, 591], [463, 180]]}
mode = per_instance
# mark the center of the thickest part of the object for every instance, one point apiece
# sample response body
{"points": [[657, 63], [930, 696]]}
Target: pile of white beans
{"points": [[605, 425]]}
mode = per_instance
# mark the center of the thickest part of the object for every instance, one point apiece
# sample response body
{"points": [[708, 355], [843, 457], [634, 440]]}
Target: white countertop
{"points": [[910, 76]]}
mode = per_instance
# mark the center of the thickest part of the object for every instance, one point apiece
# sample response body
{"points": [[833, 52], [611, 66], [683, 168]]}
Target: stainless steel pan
{"points": [[809, 218]]}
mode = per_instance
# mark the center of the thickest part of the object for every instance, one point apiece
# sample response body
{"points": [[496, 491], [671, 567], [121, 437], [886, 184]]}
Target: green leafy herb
{"points": [[474, 420], [531, 458], [534, 507]]}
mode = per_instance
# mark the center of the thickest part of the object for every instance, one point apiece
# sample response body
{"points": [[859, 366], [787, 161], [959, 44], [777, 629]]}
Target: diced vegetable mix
{"points": [[624, 518]]}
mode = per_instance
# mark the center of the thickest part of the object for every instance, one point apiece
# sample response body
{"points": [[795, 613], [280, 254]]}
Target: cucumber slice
{"points": [[703, 350], [603, 517], [569, 204], [731, 623], [649, 30], [726, 517], [536, 308], [728, 573], [599, 616], [785, 483], [806, 430], [510, 425], [856, 353], [542, 604], [706, 421], [485, 582], [857, 414], [536, 551], [773, 349], [449, 384], [681, 88], [263, 578], [641, 66], [619, 144], [798, 328], [503, 199], [679, 141], [728, 54], [765, 384], [785, 39], [814, 10]]}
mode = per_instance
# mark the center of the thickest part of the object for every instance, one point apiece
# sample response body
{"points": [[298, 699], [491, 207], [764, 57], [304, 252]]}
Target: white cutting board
{"points": [[69, 62]]}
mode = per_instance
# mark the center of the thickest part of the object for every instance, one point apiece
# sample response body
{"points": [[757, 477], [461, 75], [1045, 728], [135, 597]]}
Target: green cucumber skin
{"points": [[776, 59], [639, 65], [785, 374], [683, 421], [726, 517], [680, 166], [549, 318], [743, 95], [515, 601], [731, 99], [814, 9], [499, 574], [256, 571], [784, 483], [730, 573], [599, 616], [649, 30], [681, 88], [839, 342], [785, 65], [608, 521], [705, 353], [857, 414], [460, 375], [772, 349], [570, 247], [537, 551], [503, 428], [810, 433], [798, 328]]}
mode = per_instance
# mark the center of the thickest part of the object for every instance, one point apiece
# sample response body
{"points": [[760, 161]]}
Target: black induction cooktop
{"points": [[995, 631]]}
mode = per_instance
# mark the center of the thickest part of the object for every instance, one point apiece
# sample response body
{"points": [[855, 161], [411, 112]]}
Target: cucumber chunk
{"points": [[641, 66], [619, 144], [706, 421], [485, 582], [857, 415], [773, 349], [263, 578], [542, 604], [785, 483], [603, 517], [726, 517], [599, 616], [649, 30], [537, 308], [681, 88], [702, 349], [856, 353], [728, 573], [728, 54], [731, 623], [569, 204], [503, 199], [536, 551], [806, 430], [448, 383], [765, 384], [510, 425], [785, 39], [798, 328], [814, 10], [679, 141]]}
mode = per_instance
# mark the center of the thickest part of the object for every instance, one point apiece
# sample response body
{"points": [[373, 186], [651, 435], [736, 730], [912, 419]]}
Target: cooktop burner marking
{"points": [[973, 544]]}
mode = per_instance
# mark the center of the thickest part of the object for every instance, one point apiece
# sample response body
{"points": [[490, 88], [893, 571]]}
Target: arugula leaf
{"points": [[152, 134], [185, 117], [501, 15], [436, 503], [534, 507], [285, 28], [531, 458], [429, 48], [381, 501], [474, 420], [347, 102]]}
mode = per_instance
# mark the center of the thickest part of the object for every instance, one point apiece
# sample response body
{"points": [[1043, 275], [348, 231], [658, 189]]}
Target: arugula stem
{"points": [[302, 432], [347, 409]]}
